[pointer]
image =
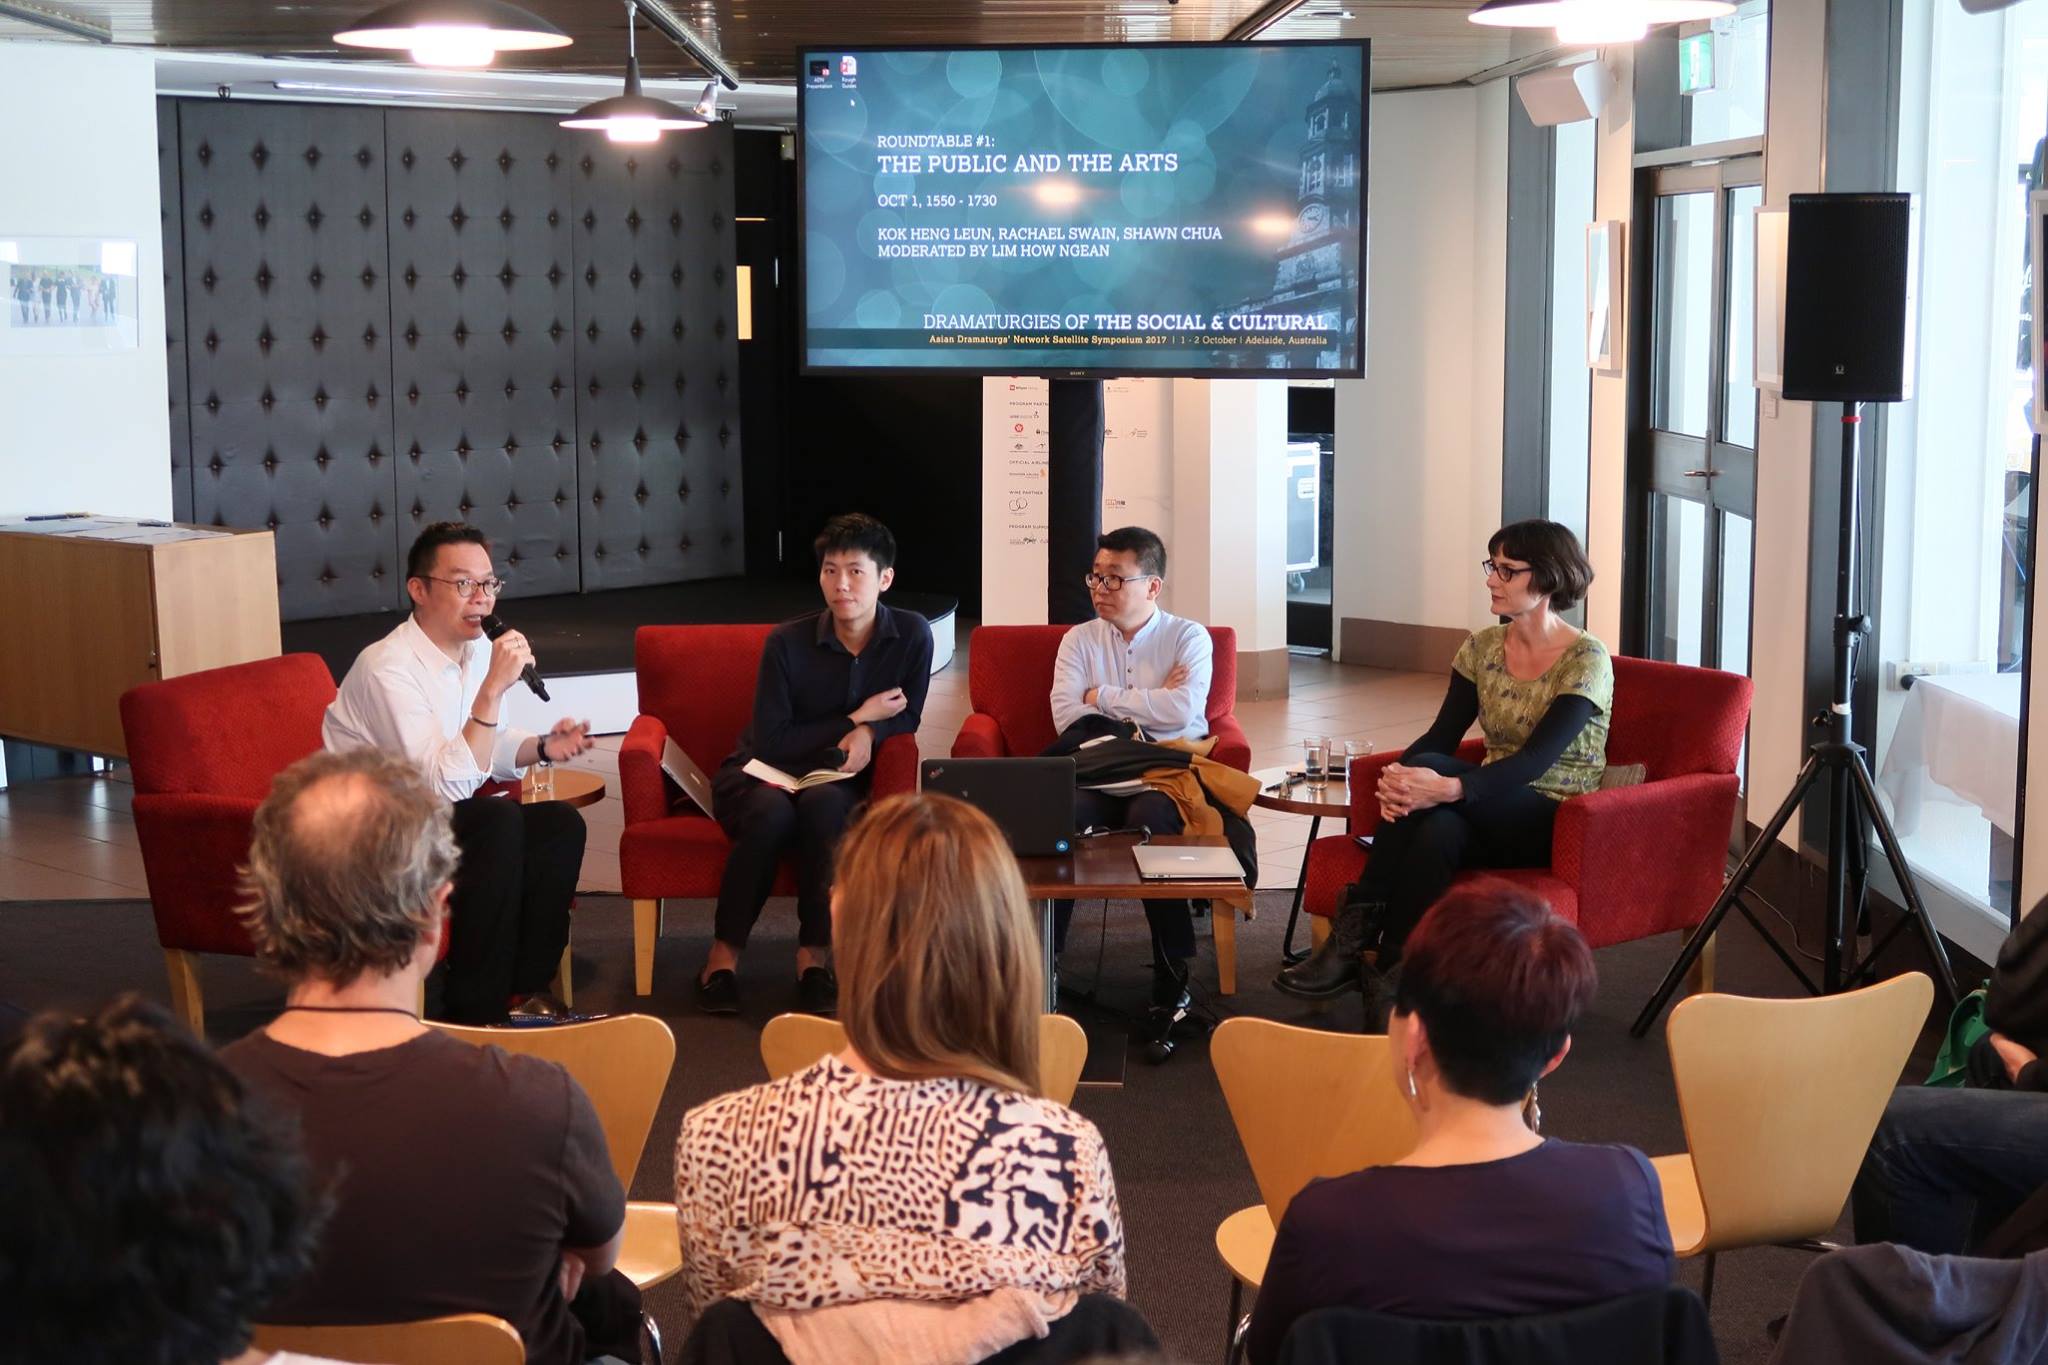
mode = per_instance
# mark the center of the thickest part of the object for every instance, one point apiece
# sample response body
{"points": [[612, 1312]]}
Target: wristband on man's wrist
{"points": [[476, 719], [540, 746]]}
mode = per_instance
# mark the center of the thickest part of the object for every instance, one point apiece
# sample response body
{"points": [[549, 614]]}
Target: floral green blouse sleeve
{"points": [[1467, 661], [1587, 671]]}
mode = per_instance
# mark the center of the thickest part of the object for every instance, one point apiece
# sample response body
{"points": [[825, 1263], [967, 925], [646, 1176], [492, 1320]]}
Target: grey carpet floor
{"points": [[1179, 1168]]}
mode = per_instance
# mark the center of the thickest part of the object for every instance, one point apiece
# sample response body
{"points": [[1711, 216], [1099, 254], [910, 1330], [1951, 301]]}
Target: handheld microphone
{"points": [[494, 626]]}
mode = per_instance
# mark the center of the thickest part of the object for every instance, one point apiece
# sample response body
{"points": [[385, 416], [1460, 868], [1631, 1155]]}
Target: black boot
{"points": [[1333, 968], [1378, 986], [1170, 985]]}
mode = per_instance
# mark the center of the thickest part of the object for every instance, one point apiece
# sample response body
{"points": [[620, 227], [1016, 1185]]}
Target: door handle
{"points": [[1702, 474]]}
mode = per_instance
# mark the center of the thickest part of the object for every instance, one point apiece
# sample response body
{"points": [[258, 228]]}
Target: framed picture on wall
{"points": [[68, 295], [2037, 305], [1606, 288]]}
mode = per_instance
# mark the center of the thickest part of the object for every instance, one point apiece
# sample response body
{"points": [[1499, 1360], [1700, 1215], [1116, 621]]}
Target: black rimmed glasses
{"points": [[470, 587], [1114, 582], [1506, 573]]}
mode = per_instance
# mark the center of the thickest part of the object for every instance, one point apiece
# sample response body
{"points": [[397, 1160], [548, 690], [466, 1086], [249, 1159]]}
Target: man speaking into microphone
{"points": [[433, 690]]}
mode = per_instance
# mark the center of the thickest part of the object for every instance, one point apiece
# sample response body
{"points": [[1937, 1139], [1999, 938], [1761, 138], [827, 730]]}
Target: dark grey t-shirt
{"points": [[458, 1175]]}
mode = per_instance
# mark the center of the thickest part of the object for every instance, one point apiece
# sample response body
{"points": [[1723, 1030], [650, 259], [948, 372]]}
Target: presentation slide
{"points": [[1179, 209]]}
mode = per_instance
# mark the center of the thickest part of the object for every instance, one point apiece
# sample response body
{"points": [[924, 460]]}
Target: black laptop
{"points": [[1030, 799]]}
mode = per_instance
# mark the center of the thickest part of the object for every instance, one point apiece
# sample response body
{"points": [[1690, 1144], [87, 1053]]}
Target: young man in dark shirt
{"points": [[831, 688]]}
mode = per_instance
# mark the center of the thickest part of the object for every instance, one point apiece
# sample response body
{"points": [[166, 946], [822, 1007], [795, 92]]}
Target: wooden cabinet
{"points": [[84, 616]]}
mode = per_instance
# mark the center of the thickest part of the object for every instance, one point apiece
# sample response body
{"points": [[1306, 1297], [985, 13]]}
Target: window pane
{"points": [[1734, 107], [1678, 539], [1569, 441], [1736, 553], [1685, 304], [1738, 421]]}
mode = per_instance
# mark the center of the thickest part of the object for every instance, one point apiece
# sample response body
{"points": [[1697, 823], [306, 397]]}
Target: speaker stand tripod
{"points": [[1852, 800]]}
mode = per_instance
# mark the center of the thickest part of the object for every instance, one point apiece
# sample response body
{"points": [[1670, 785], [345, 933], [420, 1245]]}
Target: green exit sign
{"points": [[1696, 63]]}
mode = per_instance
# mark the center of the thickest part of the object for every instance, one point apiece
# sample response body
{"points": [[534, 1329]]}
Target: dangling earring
{"points": [[1532, 1112], [1411, 1084]]}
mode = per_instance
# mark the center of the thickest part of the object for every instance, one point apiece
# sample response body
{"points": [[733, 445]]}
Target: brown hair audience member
{"points": [[910, 1199], [464, 1179], [1486, 1218]]}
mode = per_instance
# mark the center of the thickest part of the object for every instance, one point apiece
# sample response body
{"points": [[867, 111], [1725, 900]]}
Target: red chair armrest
{"points": [[643, 788], [980, 737], [1645, 859], [1232, 748], [895, 766], [193, 847]]}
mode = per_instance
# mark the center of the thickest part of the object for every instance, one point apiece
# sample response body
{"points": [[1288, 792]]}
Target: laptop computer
{"points": [[1030, 799], [1169, 862]]}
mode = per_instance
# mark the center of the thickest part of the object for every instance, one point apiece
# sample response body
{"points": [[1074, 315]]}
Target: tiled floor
{"points": [[72, 838]]}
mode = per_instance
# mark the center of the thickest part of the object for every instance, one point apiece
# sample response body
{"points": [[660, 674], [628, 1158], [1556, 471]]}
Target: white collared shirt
{"points": [[403, 695], [1128, 675]]}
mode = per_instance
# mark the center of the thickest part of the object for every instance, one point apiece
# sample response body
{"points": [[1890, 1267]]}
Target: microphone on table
{"points": [[494, 626]]}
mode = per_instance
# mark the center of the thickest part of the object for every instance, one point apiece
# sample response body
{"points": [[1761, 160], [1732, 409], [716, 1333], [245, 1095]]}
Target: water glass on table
{"points": [[544, 781], [1315, 761]]}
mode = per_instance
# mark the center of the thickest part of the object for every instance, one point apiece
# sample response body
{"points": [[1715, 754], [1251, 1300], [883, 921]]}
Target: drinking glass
{"points": [[1353, 751], [1315, 760], [544, 781]]}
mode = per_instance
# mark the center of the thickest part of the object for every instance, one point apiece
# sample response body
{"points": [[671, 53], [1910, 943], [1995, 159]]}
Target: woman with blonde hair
{"points": [[910, 1198]]}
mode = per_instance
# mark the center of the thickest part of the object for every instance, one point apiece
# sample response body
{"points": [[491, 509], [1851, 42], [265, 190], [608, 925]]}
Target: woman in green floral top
{"points": [[1541, 690]]}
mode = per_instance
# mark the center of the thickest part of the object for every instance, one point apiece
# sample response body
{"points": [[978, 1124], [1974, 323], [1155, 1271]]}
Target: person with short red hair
{"points": [[1486, 1218]]}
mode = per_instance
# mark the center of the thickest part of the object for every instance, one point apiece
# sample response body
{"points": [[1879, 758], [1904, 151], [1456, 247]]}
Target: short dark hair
{"points": [[1557, 564], [857, 531], [419, 560], [1498, 980], [153, 1210], [1146, 545]]}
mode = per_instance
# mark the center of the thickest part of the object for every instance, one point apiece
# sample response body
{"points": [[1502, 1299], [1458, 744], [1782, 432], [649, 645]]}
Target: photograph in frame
{"points": [[68, 295]]}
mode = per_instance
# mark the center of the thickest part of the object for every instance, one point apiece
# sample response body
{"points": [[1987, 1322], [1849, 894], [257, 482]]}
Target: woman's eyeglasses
{"points": [[1506, 573]]}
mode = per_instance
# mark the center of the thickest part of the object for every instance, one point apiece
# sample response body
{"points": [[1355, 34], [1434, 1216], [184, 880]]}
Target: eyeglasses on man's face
{"points": [[1114, 582], [471, 587], [1506, 573]]}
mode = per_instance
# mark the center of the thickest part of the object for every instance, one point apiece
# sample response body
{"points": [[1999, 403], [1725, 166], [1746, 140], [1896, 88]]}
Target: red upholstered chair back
{"points": [[226, 731], [698, 681], [1676, 720], [1009, 677]]}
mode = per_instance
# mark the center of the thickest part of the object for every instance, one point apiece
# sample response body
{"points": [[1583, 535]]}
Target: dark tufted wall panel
{"points": [[395, 317], [484, 357], [657, 361], [288, 327], [174, 307]]}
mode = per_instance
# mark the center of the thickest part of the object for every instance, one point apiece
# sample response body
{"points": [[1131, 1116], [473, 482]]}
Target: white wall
{"points": [[78, 159], [1418, 464]]}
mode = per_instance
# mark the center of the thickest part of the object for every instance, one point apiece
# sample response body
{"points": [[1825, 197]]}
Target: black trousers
{"points": [[763, 822], [1172, 921], [510, 909], [1098, 1327], [1415, 858]]}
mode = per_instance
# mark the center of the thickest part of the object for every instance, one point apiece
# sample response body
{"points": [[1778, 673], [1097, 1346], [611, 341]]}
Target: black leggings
{"points": [[1415, 858]]}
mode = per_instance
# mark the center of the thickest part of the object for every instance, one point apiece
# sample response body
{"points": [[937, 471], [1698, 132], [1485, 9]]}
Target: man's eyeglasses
{"points": [[1114, 582], [1506, 573], [470, 587]]}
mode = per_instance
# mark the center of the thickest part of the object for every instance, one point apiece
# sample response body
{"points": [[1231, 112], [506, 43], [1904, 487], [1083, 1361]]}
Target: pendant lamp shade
{"points": [[1600, 15], [453, 32], [633, 116]]}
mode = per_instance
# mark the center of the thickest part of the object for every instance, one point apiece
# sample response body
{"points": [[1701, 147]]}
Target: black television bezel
{"points": [[803, 209]]}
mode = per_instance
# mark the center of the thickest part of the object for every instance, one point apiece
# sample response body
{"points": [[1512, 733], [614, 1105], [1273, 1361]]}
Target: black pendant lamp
{"points": [[1597, 21], [632, 116], [453, 32]]}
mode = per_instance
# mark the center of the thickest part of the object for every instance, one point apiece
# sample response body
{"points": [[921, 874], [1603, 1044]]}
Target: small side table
{"points": [[573, 787], [1332, 798]]}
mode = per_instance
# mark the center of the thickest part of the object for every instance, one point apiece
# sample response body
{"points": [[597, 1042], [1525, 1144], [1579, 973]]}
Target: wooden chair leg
{"points": [[188, 1002], [1700, 979], [563, 985], [646, 932], [419, 999], [1223, 924]]}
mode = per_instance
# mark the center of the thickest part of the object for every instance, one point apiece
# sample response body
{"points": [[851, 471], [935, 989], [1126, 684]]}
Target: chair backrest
{"points": [[792, 1042], [1009, 676], [464, 1339], [1309, 1104], [1780, 1098], [698, 681], [1662, 1326], [622, 1063], [226, 731], [1676, 720]]}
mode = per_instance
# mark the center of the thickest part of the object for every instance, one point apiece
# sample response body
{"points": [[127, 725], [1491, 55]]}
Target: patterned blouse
{"points": [[832, 1187], [1510, 707]]}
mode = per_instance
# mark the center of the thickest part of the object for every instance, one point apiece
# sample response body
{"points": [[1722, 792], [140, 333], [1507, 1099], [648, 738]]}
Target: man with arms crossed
{"points": [[845, 680], [433, 691], [1135, 662]]}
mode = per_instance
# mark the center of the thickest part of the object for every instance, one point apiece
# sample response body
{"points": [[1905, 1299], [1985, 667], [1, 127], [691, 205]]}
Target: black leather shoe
{"points": [[817, 991], [719, 993], [1379, 985], [539, 1005], [1332, 970], [1170, 986]]}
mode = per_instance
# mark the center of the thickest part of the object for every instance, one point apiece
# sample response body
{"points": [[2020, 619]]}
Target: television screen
{"points": [[1171, 209]]}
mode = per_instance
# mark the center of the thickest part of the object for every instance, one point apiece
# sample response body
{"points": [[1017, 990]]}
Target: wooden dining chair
{"points": [[623, 1064], [792, 1042], [464, 1339]]}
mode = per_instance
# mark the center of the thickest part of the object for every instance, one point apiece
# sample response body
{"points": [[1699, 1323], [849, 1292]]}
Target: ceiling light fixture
{"points": [[632, 116], [1597, 21], [453, 32]]}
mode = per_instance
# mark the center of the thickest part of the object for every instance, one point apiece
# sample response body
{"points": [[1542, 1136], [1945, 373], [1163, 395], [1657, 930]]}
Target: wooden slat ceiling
{"points": [[1415, 42]]}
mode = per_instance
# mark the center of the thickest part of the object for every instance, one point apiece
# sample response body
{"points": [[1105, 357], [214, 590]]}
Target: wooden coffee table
{"points": [[1298, 798], [573, 787]]}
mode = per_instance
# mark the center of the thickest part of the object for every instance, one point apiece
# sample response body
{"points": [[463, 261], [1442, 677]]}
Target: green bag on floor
{"points": [[1966, 1028]]}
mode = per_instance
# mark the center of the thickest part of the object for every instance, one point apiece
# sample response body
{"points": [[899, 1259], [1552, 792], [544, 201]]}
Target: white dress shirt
{"points": [[1129, 676], [403, 695]]}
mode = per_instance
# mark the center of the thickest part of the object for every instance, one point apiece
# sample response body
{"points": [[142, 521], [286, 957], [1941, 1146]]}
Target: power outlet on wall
{"points": [[1901, 669]]}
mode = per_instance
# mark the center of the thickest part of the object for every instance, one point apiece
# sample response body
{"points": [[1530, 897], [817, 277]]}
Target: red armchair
{"points": [[203, 749], [1627, 862], [1009, 681], [697, 688]]}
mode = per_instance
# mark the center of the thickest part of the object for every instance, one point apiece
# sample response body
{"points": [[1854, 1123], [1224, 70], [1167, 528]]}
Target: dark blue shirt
{"points": [[1560, 1226], [809, 687]]}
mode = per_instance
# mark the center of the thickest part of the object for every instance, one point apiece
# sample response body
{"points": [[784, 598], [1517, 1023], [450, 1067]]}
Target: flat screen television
{"points": [[1188, 209]]}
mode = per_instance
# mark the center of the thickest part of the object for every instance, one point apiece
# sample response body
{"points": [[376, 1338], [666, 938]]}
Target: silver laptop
{"points": [[1167, 862]]}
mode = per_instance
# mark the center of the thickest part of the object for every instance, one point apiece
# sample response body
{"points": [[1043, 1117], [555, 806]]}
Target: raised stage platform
{"points": [[583, 642]]}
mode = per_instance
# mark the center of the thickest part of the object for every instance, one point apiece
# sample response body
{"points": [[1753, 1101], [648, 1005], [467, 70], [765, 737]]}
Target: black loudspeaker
{"points": [[1849, 298]]}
